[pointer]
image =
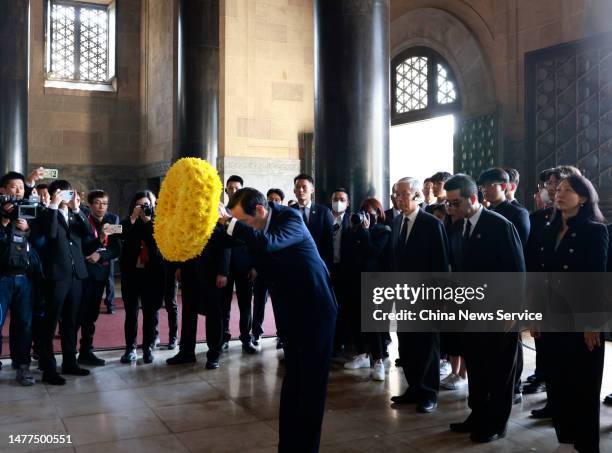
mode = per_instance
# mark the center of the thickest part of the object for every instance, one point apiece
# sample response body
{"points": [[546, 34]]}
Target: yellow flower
{"points": [[186, 211]]}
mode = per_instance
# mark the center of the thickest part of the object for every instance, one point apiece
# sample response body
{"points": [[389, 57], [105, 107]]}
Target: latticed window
{"points": [[80, 42], [423, 85]]}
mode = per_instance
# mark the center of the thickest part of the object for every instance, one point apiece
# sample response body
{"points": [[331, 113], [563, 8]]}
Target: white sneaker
{"points": [[378, 372], [445, 368], [359, 361], [453, 382]]}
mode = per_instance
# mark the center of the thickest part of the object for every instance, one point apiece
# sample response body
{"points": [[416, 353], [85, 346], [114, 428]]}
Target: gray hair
{"points": [[414, 184]]}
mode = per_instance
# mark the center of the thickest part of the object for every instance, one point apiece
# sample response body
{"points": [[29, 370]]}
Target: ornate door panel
{"points": [[477, 143], [568, 111]]}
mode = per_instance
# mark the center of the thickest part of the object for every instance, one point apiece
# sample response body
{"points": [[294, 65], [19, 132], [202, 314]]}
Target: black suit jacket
{"points": [[100, 271], [320, 224], [539, 220], [494, 246], [65, 243], [288, 258], [519, 218], [131, 239], [426, 249], [389, 216]]}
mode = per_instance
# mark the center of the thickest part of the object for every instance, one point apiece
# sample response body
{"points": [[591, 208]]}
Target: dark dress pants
{"points": [[89, 312], [419, 354], [244, 293], [63, 303], [490, 359], [170, 304], [260, 298], [140, 288], [573, 383]]}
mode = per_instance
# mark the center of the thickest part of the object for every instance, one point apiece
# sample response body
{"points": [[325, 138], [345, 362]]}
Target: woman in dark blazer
{"points": [[142, 276], [367, 246], [575, 240]]}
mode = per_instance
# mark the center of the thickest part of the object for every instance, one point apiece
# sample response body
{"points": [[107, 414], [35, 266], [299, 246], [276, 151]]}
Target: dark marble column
{"points": [[352, 98], [198, 79], [14, 30]]}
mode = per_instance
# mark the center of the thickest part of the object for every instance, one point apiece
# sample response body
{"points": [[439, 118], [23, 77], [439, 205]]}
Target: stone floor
{"points": [[157, 408]]}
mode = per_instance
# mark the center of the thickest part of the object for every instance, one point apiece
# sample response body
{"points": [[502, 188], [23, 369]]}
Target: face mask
{"points": [[339, 206], [544, 196]]}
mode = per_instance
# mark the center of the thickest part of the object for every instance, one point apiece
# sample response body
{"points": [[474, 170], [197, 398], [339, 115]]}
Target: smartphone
{"points": [[112, 229], [50, 173], [66, 195]]}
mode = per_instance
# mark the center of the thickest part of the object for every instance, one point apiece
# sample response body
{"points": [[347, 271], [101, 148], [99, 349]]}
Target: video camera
{"points": [[26, 208]]}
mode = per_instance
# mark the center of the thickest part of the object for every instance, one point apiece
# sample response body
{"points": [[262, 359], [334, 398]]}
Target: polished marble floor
{"points": [[157, 408]]}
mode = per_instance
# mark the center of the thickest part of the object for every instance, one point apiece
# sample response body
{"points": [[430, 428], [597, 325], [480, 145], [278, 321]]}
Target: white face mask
{"points": [[339, 206], [544, 196]]}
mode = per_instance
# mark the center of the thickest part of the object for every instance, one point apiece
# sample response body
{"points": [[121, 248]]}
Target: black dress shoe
{"points": [[110, 310], [534, 387], [407, 398], [279, 344], [518, 398], [172, 344], [129, 356], [53, 379], [249, 348], [483, 438], [426, 407], [255, 340], [75, 371], [225, 346], [463, 427], [89, 358], [180, 358], [533, 378], [545, 412], [398, 364], [608, 400], [147, 355], [212, 364]]}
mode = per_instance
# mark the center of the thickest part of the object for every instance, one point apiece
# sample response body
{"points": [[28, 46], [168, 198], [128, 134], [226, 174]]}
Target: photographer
{"points": [[142, 276], [15, 285], [368, 239], [98, 264]]}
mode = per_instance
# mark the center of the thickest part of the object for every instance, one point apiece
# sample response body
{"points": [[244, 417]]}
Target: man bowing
{"points": [[289, 260]]}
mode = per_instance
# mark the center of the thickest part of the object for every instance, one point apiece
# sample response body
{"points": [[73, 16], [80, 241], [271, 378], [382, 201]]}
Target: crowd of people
{"points": [[57, 262]]}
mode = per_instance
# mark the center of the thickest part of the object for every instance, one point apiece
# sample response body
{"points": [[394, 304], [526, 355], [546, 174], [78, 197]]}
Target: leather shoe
{"points": [[407, 398], [534, 387], [249, 348], [53, 379], [545, 412], [212, 364], [180, 358], [463, 427], [426, 407], [89, 358], [483, 438], [172, 344], [534, 378], [129, 356], [255, 340], [225, 346], [279, 344], [147, 355], [518, 398], [608, 400], [75, 371]]}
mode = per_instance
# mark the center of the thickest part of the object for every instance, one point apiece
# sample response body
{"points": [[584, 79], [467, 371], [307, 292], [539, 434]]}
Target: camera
{"points": [[357, 218], [26, 208], [147, 210]]}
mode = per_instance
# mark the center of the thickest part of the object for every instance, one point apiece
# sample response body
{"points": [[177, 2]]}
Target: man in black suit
{"points": [[487, 243], [67, 234], [393, 211], [340, 203], [419, 244], [438, 180], [288, 258], [202, 282], [107, 248], [513, 182], [317, 217], [241, 274]]}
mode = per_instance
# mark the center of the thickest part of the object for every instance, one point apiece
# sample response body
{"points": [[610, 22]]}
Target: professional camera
{"points": [[147, 210], [26, 208], [357, 218]]}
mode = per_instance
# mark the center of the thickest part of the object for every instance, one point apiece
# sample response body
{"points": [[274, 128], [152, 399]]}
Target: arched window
{"points": [[423, 86]]}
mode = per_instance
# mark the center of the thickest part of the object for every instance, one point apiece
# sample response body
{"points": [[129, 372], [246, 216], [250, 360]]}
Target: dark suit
{"points": [[426, 250], [341, 281], [98, 277], [493, 246], [518, 216], [65, 270], [574, 390], [320, 224], [288, 259], [389, 216], [201, 295], [516, 203]]}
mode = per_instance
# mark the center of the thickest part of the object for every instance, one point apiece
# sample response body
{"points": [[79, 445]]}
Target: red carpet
{"points": [[109, 328]]}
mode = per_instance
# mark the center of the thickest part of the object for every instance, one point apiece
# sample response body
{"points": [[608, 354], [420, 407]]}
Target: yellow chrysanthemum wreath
{"points": [[187, 209]]}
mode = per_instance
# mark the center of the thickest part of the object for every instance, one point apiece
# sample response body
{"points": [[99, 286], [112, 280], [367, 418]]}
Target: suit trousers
{"points": [[244, 293], [140, 289], [419, 354], [63, 303], [574, 390], [260, 298], [170, 304], [304, 389], [490, 359], [192, 292], [89, 312]]}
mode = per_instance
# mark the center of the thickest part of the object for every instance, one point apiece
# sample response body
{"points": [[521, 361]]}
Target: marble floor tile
{"points": [[154, 444], [235, 438], [178, 393]]}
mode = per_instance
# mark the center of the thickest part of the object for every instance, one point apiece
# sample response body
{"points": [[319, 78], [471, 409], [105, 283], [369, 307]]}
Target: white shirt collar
{"points": [[473, 220], [268, 219], [411, 216]]}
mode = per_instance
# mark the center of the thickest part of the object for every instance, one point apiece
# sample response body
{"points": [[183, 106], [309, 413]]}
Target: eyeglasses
{"points": [[101, 203], [488, 185], [454, 203]]}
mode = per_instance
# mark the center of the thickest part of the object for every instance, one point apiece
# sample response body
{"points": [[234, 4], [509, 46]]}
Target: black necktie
{"points": [[466, 233], [404, 231], [304, 215]]}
